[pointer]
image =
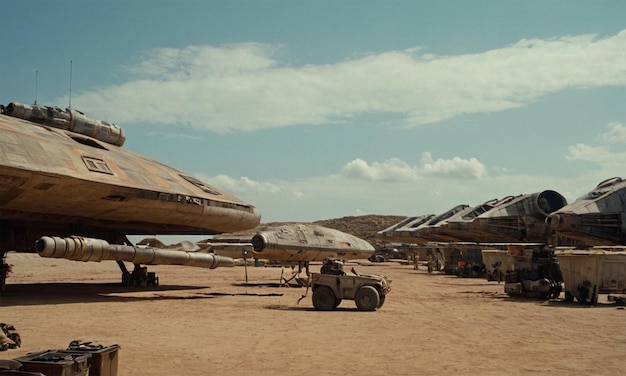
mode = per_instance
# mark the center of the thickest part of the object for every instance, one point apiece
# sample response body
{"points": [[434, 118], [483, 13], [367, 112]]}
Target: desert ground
{"points": [[200, 322]]}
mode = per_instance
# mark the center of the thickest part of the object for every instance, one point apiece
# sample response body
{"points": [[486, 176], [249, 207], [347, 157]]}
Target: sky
{"points": [[314, 110]]}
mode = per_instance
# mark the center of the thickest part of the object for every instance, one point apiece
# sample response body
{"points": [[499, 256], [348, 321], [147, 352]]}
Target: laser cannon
{"points": [[87, 249]]}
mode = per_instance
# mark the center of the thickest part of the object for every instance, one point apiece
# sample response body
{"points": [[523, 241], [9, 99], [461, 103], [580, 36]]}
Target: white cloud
{"points": [[391, 170], [202, 62], [455, 167], [245, 87], [606, 161], [611, 162], [396, 170], [242, 184], [334, 196], [582, 152], [170, 136], [615, 134]]}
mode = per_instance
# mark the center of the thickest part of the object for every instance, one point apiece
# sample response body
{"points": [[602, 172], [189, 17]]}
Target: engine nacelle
{"points": [[520, 219]]}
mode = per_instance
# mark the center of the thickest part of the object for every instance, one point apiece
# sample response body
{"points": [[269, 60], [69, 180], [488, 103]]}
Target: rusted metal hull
{"points": [[511, 219], [598, 218], [303, 242], [56, 182], [406, 230], [521, 219]]}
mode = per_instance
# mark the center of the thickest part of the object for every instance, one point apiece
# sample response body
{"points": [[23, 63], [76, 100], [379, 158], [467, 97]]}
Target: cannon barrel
{"points": [[88, 249]]}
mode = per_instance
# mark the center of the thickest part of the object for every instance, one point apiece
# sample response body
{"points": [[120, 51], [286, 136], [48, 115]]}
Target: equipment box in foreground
{"points": [[55, 363], [103, 361]]}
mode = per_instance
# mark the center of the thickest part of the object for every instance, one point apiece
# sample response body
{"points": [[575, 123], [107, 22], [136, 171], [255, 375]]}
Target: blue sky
{"points": [[322, 109]]}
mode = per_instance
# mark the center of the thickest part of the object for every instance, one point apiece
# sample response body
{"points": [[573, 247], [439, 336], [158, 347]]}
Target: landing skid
{"points": [[140, 276], [5, 269], [295, 276]]}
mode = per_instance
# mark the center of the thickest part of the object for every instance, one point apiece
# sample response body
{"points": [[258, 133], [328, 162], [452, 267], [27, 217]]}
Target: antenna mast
{"points": [[36, 83], [70, 105]]}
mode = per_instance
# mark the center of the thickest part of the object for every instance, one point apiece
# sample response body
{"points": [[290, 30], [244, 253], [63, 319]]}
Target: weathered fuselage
{"points": [[511, 219], [56, 182], [304, 242], [597, 218]]}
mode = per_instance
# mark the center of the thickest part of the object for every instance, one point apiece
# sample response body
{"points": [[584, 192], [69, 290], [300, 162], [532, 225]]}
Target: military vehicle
{"points": [[63, 174], [332, 285]]}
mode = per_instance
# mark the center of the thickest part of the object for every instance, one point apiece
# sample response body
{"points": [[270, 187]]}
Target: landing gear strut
{"points": [[296, 275], [5, 269], [140, 277]]}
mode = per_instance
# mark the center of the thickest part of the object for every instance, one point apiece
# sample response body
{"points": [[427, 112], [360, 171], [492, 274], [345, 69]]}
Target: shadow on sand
{"points": [[30, 294]]}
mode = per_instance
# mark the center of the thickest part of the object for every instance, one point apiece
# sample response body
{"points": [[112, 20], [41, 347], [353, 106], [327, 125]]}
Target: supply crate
{"points": [[103, 361], [55, 363]]}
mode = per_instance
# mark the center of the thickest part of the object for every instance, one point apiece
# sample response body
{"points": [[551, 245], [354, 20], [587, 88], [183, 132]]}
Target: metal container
{"points": [[55, 363], [587, 273], [103, 360]]}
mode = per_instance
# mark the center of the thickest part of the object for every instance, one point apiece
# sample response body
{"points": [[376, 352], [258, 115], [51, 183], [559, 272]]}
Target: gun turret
{"points": [[70, 120]]}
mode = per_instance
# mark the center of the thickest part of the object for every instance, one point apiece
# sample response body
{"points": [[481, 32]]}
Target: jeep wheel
{"points": [[382, 300], [366, 298], [323, 298]]}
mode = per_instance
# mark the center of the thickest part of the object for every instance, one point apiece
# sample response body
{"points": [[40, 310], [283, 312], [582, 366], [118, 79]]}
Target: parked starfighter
{"points": [[456, 240], [65, 178], [597, 218], [297, 243], [304, 242]]}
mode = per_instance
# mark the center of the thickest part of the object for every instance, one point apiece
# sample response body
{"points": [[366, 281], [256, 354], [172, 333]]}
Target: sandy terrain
{"points": [[200, 322]]}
